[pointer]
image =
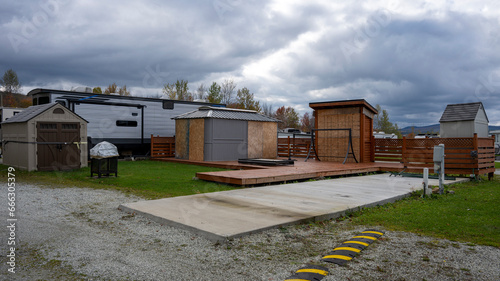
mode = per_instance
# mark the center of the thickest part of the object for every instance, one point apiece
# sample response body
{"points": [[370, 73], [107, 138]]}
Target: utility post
{"points": [[438, 158]]}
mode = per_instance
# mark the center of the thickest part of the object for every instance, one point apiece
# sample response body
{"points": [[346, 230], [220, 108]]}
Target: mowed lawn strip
{"points": [[148, 179], [469, 215]]}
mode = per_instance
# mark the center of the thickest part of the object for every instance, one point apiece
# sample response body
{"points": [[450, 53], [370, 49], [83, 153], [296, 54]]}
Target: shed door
{"points": [[225, 140], [56, 146]]}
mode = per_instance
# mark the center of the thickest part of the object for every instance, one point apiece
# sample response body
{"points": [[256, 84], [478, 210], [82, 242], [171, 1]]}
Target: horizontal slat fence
{"points": [[417, 154], [298, 147], [162, 147]]}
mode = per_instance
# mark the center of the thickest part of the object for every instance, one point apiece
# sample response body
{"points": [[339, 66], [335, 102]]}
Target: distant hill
{"points": [[420, 130], [431, 129]]}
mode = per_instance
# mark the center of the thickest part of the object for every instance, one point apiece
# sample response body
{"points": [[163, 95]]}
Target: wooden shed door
{"points": [[56, 146]]}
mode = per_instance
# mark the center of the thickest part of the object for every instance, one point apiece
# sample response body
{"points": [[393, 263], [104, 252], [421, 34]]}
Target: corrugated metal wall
{"points": [[225, 140]]}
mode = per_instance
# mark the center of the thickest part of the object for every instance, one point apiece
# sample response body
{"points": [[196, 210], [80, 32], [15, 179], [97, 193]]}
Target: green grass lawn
{"points": [[469, 215], [148, 179], [497, 165]]}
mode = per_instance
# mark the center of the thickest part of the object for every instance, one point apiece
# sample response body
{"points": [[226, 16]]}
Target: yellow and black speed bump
{"points": [[309, 273], [350, 248]]}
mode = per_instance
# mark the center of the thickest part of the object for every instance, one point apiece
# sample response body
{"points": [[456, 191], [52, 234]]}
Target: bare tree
{"points": [[307, 122], [178, 91], [123, 91], [10, 82], [267, 109], [201, 92], [111, 89], [227, 90]]}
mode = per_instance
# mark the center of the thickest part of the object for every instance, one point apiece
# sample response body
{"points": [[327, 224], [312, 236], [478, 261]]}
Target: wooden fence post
{"points": [[476, 148], [288, 147], [152, 145], [403, 152]]}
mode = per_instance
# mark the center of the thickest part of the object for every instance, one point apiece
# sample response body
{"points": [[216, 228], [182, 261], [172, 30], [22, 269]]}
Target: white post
{"points": [[441, 173], [426, 182]]}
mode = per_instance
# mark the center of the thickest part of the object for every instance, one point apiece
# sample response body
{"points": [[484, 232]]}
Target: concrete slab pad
{"points": [[229, 214]]}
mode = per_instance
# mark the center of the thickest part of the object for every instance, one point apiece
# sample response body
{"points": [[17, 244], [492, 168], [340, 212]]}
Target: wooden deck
{"points": [[245, 175]]}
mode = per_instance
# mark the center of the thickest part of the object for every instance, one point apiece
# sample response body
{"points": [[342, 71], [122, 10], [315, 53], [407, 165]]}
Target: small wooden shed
{"points": [[225, 134], [356, 115], [45, 137], [464, 120]]}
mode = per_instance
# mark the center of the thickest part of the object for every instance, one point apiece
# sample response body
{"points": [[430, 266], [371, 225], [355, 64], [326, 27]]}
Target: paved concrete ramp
{"points": [[228, 214]]}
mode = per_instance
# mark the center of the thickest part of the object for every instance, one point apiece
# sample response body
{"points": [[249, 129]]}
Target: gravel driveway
{"points": [[76, 233]]}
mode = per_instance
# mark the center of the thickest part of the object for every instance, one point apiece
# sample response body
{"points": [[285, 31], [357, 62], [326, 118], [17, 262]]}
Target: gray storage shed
{"points": [[225, 134], [464, 120], [45, 137]]}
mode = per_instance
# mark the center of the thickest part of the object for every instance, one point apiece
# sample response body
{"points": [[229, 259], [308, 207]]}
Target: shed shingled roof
{"points": [[462, 112], [225, 113], [31, 112]]}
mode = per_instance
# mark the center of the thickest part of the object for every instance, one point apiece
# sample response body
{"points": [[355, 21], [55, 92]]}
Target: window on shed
{"points": [[168, 104], [70, 126], [58, 111], [48, 126], [126, 123]]}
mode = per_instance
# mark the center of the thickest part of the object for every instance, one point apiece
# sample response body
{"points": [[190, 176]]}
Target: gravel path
{"points": [[76, 233]]}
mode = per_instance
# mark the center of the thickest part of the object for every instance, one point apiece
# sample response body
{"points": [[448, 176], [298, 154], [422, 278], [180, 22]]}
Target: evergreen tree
{"points": [[245, 100], [214, 94]]}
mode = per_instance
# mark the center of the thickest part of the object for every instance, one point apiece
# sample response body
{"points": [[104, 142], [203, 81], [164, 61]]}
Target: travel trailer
{"points": [[125, 121]]}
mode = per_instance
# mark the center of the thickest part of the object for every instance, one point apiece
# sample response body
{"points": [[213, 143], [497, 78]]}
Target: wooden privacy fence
{"points": [[464, 156], [295, 147], [162, 147]]}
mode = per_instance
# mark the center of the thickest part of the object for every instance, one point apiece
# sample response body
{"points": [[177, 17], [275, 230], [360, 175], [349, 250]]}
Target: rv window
{"points": [[35, 101], [125, 123], [16, 112], [135, 114], [168, 104], [43, 100]]}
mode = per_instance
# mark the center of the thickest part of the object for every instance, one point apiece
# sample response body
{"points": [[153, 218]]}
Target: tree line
{"points": [[228, 94], [223, 93]]}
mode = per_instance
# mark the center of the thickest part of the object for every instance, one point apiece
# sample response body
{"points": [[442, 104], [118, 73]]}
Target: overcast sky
{"points": [[413, 58]]}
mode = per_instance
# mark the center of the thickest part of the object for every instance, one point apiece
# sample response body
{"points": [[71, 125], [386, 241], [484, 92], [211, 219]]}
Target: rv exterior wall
{"points": [[124, 121]]}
